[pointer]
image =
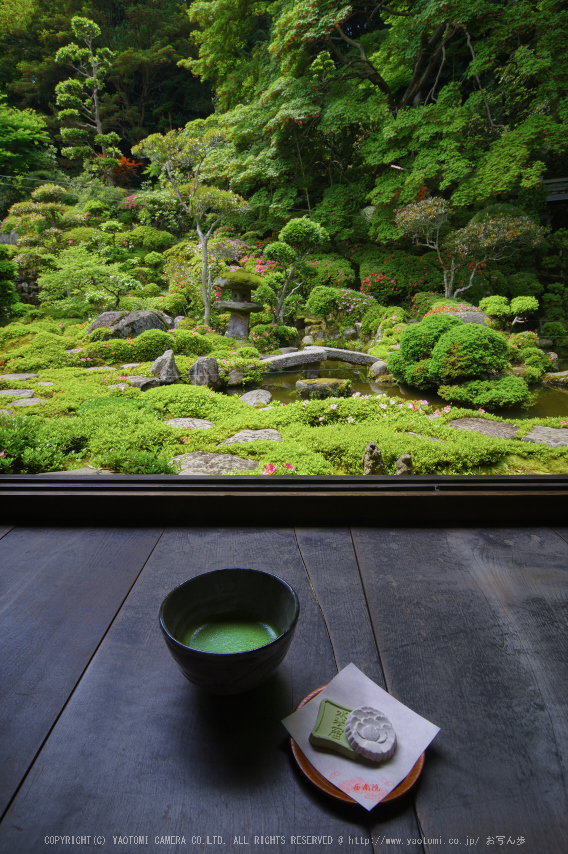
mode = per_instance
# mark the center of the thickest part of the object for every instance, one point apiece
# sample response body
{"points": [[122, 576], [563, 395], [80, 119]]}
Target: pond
{"points": [[282, 385]]}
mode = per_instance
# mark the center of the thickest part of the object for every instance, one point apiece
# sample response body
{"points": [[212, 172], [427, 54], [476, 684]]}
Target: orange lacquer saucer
{"points": [[325, 786]]}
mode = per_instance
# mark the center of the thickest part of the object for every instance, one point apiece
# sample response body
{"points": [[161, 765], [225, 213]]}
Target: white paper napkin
{"points": [[366, 784]]}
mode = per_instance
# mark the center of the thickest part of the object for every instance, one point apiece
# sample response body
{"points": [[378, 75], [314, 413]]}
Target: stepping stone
{"points": [[102, 368], [18, 392], [29, 401], [554, 437], [18, 376], [130, 365], [144, 383], [45, 384], [268, 435], [378, 368], [258, 395], [485, 427], [324, 387], [75, 350], [200, 462], [420, 436], [119, 385], [192, 423]]}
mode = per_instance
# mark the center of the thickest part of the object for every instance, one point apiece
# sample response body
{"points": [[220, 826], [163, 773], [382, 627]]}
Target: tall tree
{"points": [[179, 157], [79, 99]]}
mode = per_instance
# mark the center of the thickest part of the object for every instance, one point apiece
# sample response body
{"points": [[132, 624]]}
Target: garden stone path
{"points": [[555, 437], [268, 435], [200, 462], [195, 423], [17, 376], [18, 392], [27, 401], [485, 427]]}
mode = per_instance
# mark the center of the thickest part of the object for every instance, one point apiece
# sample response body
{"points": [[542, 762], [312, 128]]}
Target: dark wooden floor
{"points": [[100, 736]]}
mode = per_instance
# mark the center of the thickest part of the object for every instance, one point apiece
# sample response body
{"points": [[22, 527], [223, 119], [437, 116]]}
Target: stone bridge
{"points": [[311, 355]]}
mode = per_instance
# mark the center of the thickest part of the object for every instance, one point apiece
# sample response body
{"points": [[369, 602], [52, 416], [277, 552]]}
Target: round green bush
{"points": [[468, 350], [419, 339], [113, 351], [151, 344], [372, 318], [101, 333], [188, 343], [488, 394]]}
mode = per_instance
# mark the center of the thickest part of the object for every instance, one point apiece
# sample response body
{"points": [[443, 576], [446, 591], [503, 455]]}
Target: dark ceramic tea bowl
{"points": [[256, 595]]}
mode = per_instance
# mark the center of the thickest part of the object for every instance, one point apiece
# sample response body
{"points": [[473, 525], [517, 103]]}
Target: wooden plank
{"points": [[471, 627], [5, 529], [332, 568], [140, 751], [59, 591]]}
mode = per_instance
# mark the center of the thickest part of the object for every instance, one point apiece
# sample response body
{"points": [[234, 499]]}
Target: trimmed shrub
{"points": [[150, 239], [419, 339], [507, 391], [151, 344], [468, 350], [190, 343]]}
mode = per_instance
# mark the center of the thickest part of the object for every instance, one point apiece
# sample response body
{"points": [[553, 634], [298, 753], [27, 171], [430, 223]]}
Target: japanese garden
{"points": [[293, 238]]}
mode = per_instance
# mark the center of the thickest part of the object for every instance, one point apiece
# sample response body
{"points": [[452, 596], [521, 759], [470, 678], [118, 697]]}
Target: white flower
{"points": [[350, 419], [333, 406]]}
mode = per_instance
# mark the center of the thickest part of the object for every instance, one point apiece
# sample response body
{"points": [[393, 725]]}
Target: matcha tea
{"points": [[229, 633]]}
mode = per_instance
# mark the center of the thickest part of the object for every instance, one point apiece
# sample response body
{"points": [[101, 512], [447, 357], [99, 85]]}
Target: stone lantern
{"points": [[241, 284]]}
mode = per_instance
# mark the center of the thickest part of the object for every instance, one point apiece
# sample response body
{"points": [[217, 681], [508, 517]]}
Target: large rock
{"points": [[235, 377], [144, 383], [191, 423], [165, 368], [378, 369], [469, 316], [200, 462], [205, 371], [257, 395], [317, 389], [485, 427], [372, 460], [130, 324], [560, 378], [555, 437], [404, 464], [242, 436]]}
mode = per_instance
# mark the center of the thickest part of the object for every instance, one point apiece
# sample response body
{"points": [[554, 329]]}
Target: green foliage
{"points": [[271, 336], [466, 351], [8, 295], [151, 344], [151, 239], [101, 333], [103, 352], [524, 284], [556, 331], [372, 318], [190, 343], [419, 339], [330, 269], [497, 394], [23, 140], [338, 303]]}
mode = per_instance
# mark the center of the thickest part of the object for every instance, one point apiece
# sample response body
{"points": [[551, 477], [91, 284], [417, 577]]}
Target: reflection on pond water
{"points": [[282, 385]]}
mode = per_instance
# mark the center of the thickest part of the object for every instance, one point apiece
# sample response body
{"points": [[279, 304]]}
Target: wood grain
{"points": [[139, 750], [471, 627], [332, 568], [59, 591]]}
